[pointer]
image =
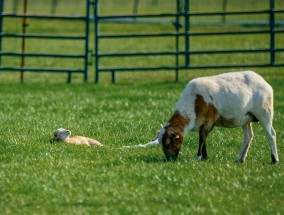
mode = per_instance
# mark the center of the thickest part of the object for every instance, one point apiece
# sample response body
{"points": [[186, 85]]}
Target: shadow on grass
{"points": [[150, 159]]}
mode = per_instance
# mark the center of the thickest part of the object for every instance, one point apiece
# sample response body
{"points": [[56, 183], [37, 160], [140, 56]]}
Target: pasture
{"points": [[37, 177]]}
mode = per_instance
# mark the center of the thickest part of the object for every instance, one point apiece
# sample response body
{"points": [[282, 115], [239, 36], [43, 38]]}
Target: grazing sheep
{"points": [[62, 134], [228, 100]]}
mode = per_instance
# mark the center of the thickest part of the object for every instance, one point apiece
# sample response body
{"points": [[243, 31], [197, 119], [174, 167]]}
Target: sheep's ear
{"points": [[173, 135], [166, 125]]}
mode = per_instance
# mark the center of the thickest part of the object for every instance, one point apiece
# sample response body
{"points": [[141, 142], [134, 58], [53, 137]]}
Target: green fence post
{"points": [[53, 7], [15, 6], [187, 39], [87, 21], [23, 47], [69, 77], [225, 3], [96, 22], [1, 28], [177, 26], [113, 76], [272, 33]]}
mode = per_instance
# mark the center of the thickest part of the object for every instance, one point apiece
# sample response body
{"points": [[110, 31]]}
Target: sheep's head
{"points": [[171, 142], [61, 134]]}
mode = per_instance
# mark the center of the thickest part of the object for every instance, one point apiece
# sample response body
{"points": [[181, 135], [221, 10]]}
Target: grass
{"points": [[40, 178], [37, 177]]}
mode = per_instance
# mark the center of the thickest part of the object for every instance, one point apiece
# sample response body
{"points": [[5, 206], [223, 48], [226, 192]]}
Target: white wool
{"points": [[232, 94]]}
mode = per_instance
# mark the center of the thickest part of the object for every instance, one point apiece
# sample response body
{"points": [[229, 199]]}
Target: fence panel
{"points": [[177, 27], [183, 36], [52, 39]]}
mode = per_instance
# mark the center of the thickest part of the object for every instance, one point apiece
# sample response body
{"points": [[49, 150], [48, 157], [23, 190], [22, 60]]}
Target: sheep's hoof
{"points": [[200, 158], [239, 161], [274, 160], [141, 146]]}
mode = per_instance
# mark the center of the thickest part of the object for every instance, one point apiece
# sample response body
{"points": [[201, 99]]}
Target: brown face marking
{"points": [[206, 113], [174, 135]]}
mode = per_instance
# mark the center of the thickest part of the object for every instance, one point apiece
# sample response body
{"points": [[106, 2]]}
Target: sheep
{"points": [[228, 100], [62, 134]]}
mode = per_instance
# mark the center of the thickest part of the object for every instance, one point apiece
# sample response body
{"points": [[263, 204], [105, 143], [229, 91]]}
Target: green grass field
{"points": [[37, 177]]}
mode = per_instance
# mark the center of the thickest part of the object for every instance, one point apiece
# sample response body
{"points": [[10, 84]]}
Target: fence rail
{"points": [[84, 37], [182, 35]]}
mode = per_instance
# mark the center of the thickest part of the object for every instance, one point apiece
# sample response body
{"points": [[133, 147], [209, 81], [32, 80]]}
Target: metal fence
{"points": [[45, 38], [182, 34]]}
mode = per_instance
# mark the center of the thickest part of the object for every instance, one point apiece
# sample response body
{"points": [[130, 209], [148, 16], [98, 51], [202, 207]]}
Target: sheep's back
{"points": [[232, 94]]}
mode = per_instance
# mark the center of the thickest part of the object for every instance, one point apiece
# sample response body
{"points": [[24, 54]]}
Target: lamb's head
{"points": [[171, 141], [61, 134]]}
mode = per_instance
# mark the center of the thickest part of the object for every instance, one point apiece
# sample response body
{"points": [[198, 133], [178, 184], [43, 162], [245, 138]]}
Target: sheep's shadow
{"points": [[146, 159], [150, 159]]}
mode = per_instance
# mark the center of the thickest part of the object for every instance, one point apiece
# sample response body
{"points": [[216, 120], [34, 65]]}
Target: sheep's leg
{"points": [[248, 136], [265, 119], [202, 153], [271, 134]]}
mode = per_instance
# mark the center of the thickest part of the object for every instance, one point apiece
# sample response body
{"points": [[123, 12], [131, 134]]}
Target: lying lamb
{"points": [[62, 134], [228, 100]]}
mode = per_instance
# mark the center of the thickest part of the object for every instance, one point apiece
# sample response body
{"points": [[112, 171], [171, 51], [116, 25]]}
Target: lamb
{"points": [[62, 134], [228, 100]]}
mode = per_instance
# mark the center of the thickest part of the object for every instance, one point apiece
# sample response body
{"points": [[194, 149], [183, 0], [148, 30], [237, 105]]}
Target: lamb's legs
{"points": [[152, 143]]}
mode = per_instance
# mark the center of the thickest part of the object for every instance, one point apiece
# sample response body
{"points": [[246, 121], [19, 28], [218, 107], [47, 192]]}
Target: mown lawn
{"points": [[37, 177], [40, 178]]}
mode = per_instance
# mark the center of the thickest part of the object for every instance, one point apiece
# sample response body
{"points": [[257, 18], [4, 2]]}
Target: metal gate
{"points": [[182, 33], [26, 38]]}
